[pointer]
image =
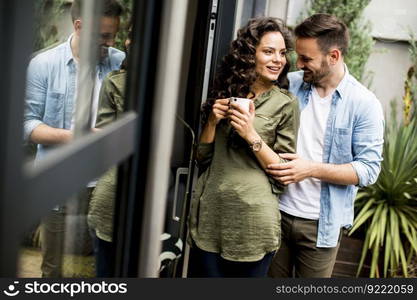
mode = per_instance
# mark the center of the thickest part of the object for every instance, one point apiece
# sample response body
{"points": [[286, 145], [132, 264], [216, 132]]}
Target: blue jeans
{"points": [[208, 264]]}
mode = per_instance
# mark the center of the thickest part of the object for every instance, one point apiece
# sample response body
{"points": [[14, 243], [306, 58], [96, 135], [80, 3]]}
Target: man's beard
{"points": [[315, 77]]}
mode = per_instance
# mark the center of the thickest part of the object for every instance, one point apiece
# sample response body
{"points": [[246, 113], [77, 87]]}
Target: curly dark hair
{"points": [[236, 73]]}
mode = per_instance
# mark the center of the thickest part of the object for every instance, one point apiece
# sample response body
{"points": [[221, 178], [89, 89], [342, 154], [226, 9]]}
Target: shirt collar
{"points": [[68, 52], [342, 86], [264, 96]]}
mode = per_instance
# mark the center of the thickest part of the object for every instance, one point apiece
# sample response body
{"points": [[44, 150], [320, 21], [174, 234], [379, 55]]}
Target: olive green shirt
{"points": [[234, 210], [111, 106]]}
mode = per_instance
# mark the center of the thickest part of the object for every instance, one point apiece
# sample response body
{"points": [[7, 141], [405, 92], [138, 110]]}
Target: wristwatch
{"points": [[256, 145]]}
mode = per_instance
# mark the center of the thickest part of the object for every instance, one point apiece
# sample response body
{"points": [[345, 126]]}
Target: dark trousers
{"points": [[105, 253], [206, 264], [54, 238], [52, 232], [298, 255]]}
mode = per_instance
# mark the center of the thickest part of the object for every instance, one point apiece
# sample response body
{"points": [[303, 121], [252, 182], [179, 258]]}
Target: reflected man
{"points": [[50, 104]]}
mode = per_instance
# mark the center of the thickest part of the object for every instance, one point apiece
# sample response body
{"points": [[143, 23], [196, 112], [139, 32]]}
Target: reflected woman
{"points": [[234, 219], [102, 204]]}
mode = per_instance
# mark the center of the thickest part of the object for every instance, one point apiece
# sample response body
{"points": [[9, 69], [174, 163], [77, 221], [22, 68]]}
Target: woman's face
{"points": [[270, 56]]}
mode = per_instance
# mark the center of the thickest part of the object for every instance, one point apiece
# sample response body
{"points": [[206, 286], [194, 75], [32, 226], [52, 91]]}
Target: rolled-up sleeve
{"points": [[286, 137], [36, 86], [287, 129], [205, 153], [367, 144]]}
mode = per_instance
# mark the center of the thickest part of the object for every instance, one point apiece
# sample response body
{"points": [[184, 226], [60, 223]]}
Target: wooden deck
{"points": [[348, 258]]}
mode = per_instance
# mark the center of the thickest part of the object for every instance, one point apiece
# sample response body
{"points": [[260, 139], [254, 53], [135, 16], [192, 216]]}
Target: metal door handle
{"points": [[180, 172]]}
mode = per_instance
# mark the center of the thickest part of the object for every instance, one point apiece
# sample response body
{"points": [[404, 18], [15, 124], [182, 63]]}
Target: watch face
{"points": [[256, 146]]}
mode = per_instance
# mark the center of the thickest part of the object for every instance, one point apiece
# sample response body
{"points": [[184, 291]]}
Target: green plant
{"points": [[124, 23], [361, 42], [388, 209], [47, 13], [410, 93]]}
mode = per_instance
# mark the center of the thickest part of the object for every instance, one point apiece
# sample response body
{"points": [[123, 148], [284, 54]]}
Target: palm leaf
{"points": [[383, 223], [364, 214], [388, 251], [375, 228], [403, 261], [363, 255], [405, 224]]}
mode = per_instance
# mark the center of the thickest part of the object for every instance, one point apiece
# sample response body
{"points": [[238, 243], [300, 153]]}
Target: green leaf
{"points": [[403, 261], [374, 261], [405, 226], [395, 233], [374, 228], [383, 223], [363, 255], [364, 214], [388, 251], [407, 195]]}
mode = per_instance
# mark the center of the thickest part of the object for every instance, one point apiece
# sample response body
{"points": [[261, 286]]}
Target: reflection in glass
{"points": [[52, 112], [101, 213], [61, 244]]}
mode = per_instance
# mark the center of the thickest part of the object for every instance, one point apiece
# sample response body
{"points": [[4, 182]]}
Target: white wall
{"points": [[390, 60], [392, 19]]}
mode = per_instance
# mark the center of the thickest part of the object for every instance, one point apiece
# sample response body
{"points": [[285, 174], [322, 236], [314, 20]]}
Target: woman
{"points": [[101, 208], [235, 220]]}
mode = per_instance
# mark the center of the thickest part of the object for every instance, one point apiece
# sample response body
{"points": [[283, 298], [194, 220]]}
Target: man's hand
{"points": [[296, 170]]}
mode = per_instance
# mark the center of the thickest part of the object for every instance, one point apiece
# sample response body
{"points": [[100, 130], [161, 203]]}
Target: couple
{"points": [[243, 222], [49, 119]]}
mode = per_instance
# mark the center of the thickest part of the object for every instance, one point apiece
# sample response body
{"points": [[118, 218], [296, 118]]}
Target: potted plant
{"points": [[387, 210]]}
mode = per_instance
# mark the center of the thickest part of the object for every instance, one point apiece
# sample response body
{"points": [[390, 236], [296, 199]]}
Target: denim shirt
{"points": [[354, 134], [51, 87]]}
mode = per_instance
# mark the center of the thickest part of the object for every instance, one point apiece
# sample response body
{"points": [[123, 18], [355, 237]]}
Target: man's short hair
{"points": [[110, 8], [327, 29]]}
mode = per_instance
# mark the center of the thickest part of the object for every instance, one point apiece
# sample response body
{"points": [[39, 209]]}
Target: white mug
{"points": [[243, 102]]}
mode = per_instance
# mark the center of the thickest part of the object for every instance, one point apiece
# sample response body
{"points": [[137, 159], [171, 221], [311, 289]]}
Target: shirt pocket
{"points": [[265, 127], [343, 143], [54, 110]]}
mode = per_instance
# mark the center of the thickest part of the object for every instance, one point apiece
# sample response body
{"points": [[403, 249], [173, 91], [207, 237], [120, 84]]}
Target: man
{"points": [[339, 148], [50, 104]]}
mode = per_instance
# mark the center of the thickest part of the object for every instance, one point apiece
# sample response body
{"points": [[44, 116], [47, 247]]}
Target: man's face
{"points": [[109, 26], [312, 61]]}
